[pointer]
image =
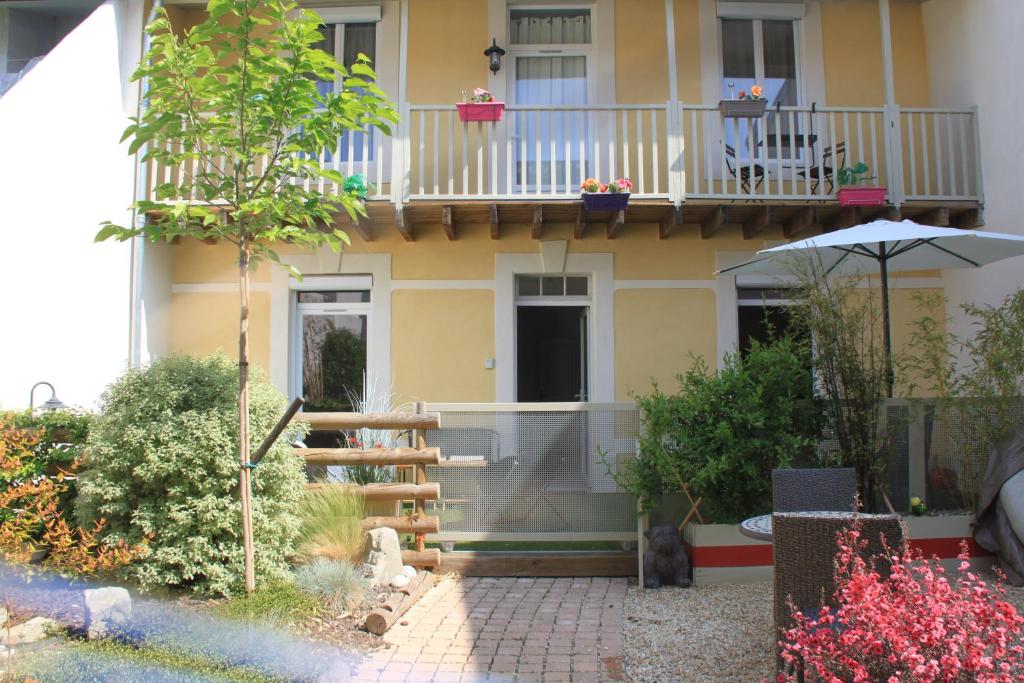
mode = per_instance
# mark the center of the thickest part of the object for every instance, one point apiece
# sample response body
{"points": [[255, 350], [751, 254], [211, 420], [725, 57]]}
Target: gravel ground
{"points": [[691, 635]]}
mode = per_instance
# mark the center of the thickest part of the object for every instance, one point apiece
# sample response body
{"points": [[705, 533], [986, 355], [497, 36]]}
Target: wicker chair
{"points": [[803, 490], [805, 550]]}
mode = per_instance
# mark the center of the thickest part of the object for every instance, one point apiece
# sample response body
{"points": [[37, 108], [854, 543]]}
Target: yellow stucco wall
{"points": [[446, 42], [656, 331], [205, 322], [439, 340], [641, 69], [852, 44]]}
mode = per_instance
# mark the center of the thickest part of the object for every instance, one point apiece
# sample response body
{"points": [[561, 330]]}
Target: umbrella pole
{"points": [[883, 263]]}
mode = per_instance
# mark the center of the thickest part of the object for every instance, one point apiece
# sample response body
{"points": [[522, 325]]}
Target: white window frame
{"points": [[337, 17], [600, 269], [303, 309], [586, 50], [759, 76]]}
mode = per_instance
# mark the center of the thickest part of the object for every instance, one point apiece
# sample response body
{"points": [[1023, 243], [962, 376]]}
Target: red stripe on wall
{"points": [[761, 555], [947, 547]]}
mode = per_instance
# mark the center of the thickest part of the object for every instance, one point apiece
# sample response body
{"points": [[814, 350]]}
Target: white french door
{"points": [[550, 58]]}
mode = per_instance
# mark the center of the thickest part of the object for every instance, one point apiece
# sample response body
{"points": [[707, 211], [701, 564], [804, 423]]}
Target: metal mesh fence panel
{"points": [[534, 472], [957, 450]]}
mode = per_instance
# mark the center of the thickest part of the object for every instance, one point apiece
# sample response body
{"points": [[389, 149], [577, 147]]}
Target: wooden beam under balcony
{"points": [[939, 217], [801, 221], [846, 217], [969, 219], [492, 213], [672, 218], [447, 223], [713, 221], [538, 221], [400, 224], [756, 224], [580, 224], [615, 223]]}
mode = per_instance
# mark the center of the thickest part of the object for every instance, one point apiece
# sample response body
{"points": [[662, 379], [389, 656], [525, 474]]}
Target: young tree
{"points": [[233, 105]]}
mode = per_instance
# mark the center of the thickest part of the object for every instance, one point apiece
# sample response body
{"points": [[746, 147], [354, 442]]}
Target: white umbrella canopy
{"points": [[885, 246], [896, 245]]}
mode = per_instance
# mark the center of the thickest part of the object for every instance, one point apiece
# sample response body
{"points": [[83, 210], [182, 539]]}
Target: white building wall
{"points": [[65, 300], [973, 59]]}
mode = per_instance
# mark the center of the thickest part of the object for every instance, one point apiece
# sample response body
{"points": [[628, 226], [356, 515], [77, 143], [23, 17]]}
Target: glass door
{"points": [[550, 50], [332, 348], [762, 53]]}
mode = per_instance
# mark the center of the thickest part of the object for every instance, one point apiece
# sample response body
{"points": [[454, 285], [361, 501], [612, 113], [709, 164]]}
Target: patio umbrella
{"points": [[883, 246]]}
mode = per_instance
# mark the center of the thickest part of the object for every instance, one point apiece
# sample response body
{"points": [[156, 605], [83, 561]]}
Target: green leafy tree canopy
{"points": [[233, 106]]}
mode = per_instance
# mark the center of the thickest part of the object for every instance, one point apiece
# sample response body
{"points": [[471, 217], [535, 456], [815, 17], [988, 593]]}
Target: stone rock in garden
{"points": [[399, 581], [107, 611], [33, 630], [383, 557], [665, 562], [409, 571]]}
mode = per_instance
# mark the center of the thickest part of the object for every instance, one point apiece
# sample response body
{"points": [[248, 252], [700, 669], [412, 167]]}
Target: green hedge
{"points": [[724, 431]]}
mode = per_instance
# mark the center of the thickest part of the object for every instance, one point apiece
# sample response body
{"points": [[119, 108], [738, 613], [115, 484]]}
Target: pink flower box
{"points": [[861, 196], [480, 111]]}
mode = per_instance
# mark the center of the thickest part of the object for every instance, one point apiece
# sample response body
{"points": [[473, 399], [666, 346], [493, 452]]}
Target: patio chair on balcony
{"points": [[732, 164], [805, 550], [832, 158]]}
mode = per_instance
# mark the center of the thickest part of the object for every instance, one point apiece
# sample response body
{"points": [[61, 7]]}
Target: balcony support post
{"points": [[891, 135]]}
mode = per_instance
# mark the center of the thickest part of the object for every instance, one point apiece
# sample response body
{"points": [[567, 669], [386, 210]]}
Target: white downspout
{"points": [[141, 188]]}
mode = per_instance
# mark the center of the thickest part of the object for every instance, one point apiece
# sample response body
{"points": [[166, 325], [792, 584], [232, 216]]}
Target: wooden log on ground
{"points": [[405, 524], [431, 557], [371, 420], [370, 456], [430, 491], [384, 617]]}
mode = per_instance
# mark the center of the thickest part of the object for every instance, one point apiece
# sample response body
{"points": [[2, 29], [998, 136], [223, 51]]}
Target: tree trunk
{"points": [[245, 492]]}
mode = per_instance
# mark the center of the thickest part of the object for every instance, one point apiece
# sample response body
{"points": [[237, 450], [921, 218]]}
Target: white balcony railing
{"points": [[671, 151]]}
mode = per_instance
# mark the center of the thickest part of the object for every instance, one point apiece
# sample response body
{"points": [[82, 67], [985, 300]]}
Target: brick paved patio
{"points": [[505, 629]]}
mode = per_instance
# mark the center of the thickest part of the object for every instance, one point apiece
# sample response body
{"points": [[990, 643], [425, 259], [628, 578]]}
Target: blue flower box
{"points": [[605, 201]]}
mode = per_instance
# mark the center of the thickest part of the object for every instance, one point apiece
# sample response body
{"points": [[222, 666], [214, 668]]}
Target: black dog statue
{"points": [[665, 562]]}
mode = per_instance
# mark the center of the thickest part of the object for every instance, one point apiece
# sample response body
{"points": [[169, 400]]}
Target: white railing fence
{"points": [[671, 151], [536, 151]]}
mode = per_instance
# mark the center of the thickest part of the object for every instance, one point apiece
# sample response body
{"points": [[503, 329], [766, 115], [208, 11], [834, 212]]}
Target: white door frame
{"points": [[601, 270]]}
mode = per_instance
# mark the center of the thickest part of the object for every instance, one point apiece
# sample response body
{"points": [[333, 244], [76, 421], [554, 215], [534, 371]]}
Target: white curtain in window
{"points": [[551, 80], [539, 27]]}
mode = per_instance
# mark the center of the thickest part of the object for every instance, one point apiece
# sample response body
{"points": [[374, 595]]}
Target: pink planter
{"points": [[480, 111], [861, 196]]}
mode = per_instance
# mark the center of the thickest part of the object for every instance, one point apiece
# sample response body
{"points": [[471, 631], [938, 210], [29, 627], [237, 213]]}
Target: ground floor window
{"points": [[332, 344], [763, 313]]}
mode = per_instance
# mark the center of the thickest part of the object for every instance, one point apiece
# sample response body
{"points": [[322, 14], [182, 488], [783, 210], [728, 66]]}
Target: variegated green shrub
{"points": [[163, 462]]}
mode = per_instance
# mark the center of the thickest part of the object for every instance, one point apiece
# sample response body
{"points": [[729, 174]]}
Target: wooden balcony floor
{"points": [[795, 219]]}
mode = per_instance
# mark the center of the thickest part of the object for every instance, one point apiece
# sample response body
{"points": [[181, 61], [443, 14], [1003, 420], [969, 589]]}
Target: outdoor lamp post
{"points": [[52, 403], [494, 53]]}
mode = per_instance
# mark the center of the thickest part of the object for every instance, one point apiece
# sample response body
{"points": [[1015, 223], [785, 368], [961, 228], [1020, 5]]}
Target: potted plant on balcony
{"points": [[746, 105], [598, 196], [853, 190], [480, 107]]}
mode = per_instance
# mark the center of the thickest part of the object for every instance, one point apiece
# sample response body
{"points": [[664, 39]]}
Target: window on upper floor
{"points": [[760, 52], [346, 41]]}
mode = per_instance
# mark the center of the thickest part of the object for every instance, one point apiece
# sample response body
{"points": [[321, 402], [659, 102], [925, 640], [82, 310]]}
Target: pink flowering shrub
{"points": [[913, 626]]}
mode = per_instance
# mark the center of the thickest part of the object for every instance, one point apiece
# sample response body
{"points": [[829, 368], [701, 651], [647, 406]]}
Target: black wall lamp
{"points": [[494, 53]]}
